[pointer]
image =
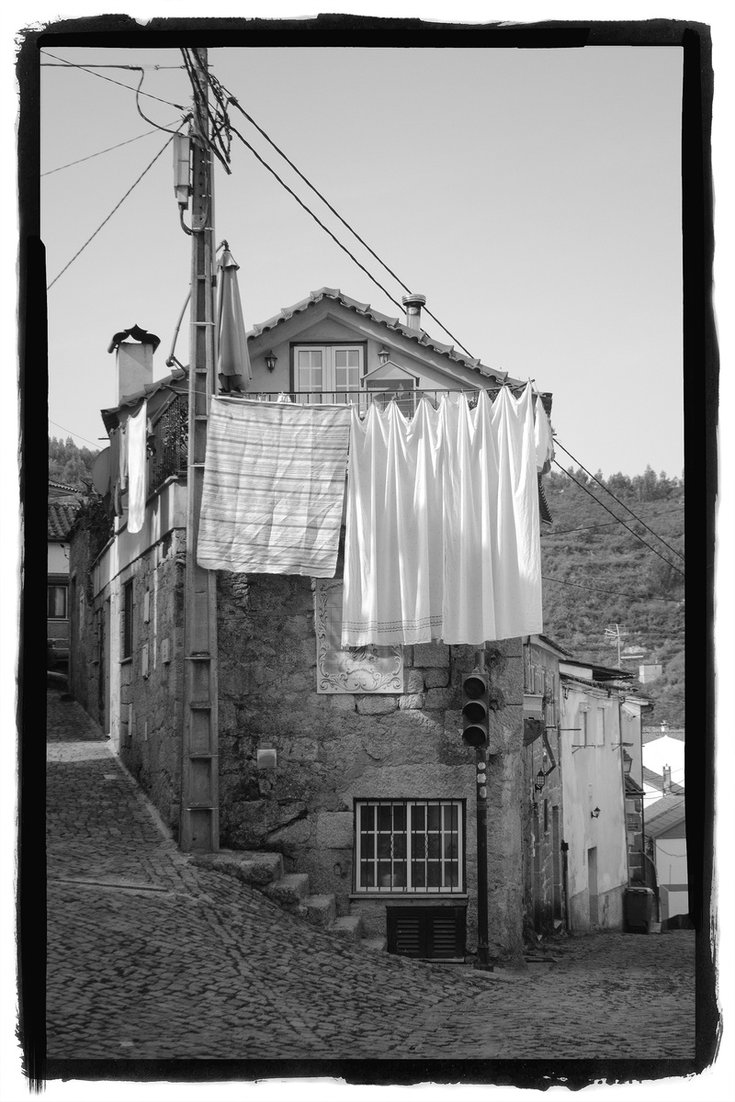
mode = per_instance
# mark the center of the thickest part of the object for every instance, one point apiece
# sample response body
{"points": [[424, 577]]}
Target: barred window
{"points": [[127, 620], [409, 846]]}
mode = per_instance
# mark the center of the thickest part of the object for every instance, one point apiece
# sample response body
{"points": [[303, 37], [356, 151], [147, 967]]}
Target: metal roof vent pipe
{"points": [[134, 366], [413, 304]]}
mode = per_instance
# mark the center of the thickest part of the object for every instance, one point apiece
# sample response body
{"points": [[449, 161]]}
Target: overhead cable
{"points": [[141, 112], [615, 498], [100, 76], [109, 149], [353, 231], [614, 593], [604, 523], [109, 216], [316, 219], [77, 434], [219, 137], [620, 521]]}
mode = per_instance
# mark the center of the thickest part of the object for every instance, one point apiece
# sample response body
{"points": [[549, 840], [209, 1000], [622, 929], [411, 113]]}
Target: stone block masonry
{"points": [[333, 749], [138, 698]]}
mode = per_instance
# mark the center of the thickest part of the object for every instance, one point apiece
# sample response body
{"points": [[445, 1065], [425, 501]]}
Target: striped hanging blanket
{"points": [[274, 481]]}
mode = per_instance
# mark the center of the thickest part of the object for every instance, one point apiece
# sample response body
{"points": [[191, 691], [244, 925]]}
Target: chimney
{"points": [[134, 362], [667, 780], [413, 304]]}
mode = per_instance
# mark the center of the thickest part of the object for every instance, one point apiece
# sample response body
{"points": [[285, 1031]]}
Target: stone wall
{"points": [[143, 692], [542, 811], [335, 748], [151, 688]]}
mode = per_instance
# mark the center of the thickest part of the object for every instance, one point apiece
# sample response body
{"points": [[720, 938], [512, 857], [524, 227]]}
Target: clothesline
{"points": [[442, 524]]}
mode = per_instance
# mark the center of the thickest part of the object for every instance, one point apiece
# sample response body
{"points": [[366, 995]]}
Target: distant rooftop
{"points": [[61, 516]]}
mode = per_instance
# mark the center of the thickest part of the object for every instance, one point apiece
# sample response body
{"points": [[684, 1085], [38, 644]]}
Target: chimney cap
{"points": [[137, 334], [414, 300]]}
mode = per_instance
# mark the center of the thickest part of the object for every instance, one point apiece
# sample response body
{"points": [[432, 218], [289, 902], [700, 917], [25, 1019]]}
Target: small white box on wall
{"points": [[165, 650], [144, 660]]}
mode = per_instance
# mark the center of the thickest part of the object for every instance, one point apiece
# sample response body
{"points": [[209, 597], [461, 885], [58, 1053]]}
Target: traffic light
{"points": [[475, 708]]}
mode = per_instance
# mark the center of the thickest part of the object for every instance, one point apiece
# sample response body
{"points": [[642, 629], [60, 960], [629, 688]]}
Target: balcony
{"points": [[406, 399], [168, 441]]}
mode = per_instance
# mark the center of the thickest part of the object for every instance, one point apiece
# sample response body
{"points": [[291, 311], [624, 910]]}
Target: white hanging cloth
{"points": [[136, 439], [442, 537], [544, 438]]}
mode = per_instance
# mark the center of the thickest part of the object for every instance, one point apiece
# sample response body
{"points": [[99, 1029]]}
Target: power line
{"points": [[622, 503], [100, 76], [77, 434], [604, 523], [613, 593], [109, 216], [315, 217], [101, 151], [620, 521], [353, 231]]}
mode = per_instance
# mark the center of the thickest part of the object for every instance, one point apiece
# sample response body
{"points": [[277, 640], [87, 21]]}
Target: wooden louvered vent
{"points": [[428, 933]]}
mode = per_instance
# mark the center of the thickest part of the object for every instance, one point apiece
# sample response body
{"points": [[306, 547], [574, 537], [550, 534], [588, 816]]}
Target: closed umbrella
{"points": [[233, 361]]}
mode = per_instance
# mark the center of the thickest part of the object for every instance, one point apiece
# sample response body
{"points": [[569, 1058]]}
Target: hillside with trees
{"points": [[598, 576], [70, 465]]}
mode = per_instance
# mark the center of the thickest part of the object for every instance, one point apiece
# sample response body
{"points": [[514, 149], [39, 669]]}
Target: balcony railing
{"points": [[168, 442], [406, 400]]}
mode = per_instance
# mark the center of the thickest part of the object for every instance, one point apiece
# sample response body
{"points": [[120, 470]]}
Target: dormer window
{"points": [[327, 372], [390, 382]]}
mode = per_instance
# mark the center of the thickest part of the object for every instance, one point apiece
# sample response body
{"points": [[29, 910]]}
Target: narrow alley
{"points": [[153, 958]]}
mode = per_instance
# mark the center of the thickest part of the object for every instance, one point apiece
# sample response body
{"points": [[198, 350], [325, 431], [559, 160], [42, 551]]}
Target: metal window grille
{"points": [[168, 443], [127, 620], [414, 846]]}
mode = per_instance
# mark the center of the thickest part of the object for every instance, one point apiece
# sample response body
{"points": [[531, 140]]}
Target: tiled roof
{"points": [[655, 780], [650, 734], [664, 814], [365, 310], [61, 516]]}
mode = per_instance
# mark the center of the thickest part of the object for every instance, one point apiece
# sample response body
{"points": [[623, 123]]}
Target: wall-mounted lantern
{"points": [[271, 360], [540, 781], [627, 762]]}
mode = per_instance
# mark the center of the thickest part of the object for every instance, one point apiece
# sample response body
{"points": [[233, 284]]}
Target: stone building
{"points": [[349, 763], [544, 855], [592, 758]]}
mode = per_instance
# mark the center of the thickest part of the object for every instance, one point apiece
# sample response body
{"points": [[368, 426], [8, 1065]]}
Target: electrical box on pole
{"points": [[199, 820]]}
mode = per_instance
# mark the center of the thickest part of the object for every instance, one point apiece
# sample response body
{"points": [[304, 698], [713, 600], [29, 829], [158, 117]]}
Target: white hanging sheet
{"points": [[544, 437], [273, 487], [136, 439], [442, 537]]}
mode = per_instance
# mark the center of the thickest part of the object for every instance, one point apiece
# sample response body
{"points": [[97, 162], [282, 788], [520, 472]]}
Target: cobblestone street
{"points": [[151, 957]]}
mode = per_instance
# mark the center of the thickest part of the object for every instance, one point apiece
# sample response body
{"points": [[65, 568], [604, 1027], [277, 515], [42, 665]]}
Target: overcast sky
{"points": [[533, 196]]}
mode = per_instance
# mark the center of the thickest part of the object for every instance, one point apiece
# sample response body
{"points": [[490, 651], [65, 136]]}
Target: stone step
{"points": [[252, 867], [290, 891], [376, 944], [321, 910], [349, 927]]}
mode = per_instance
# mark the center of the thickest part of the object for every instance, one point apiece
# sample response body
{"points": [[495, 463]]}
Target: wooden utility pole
{"points": [[199, 822]]}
